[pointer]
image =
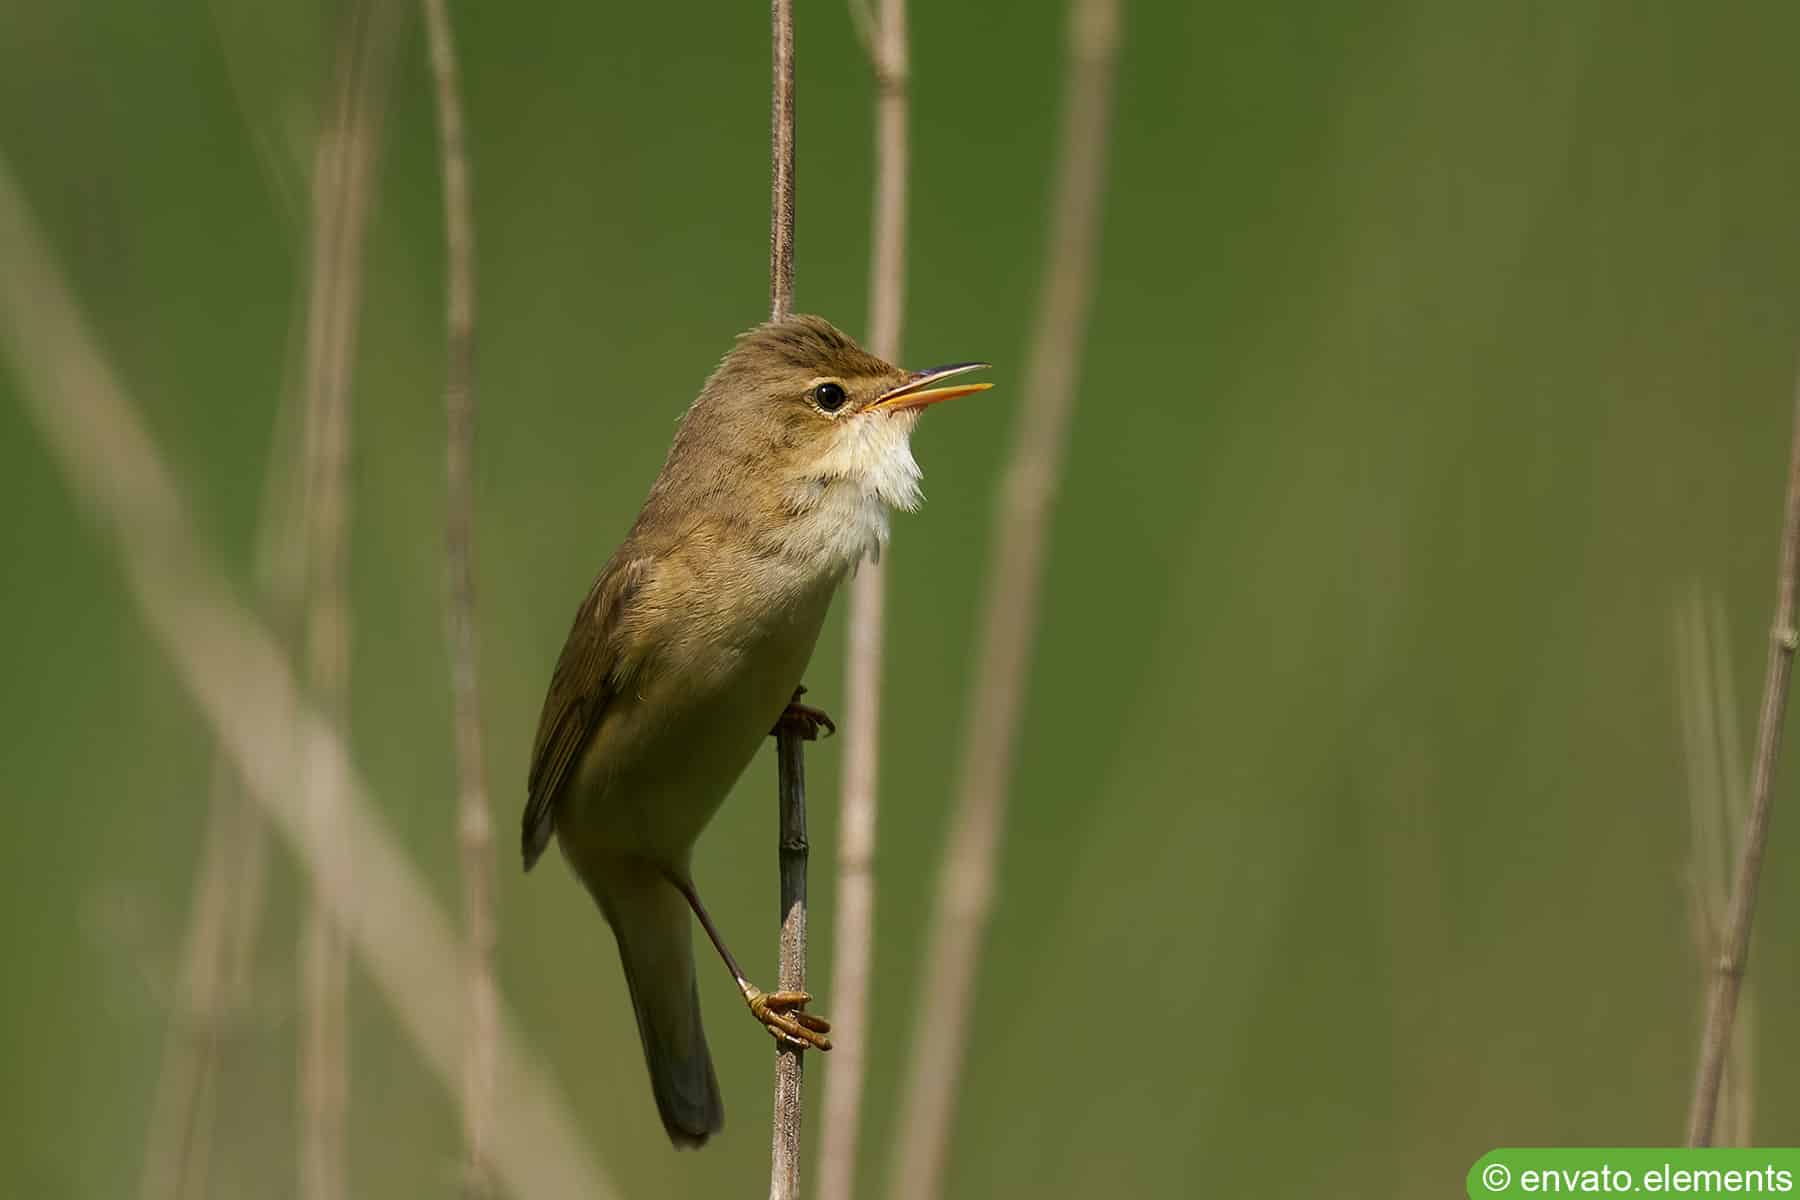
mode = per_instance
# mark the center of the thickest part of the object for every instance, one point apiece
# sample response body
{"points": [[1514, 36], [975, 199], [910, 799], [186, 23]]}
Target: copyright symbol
{"points": [[1495, 1177]]}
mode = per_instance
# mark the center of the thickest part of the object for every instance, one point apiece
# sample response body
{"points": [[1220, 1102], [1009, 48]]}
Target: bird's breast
{"points": [[828, 528], [666, 754]]}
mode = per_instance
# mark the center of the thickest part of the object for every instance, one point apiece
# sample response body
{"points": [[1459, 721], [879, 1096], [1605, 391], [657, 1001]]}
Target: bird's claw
{"points": [[782, 1013], [803, 720]]}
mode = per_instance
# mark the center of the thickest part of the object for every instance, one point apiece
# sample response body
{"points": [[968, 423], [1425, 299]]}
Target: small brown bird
{"points": [[689, 649]]}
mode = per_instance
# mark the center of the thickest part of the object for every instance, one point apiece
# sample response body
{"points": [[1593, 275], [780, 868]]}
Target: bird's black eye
{"points": [[829, 397]]}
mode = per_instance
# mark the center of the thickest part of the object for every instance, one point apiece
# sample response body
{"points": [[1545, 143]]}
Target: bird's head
{"points": [[800, 417]]}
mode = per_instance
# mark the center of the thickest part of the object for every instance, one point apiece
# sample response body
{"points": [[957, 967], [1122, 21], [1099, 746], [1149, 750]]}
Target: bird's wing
{"points": [[586, 679]]}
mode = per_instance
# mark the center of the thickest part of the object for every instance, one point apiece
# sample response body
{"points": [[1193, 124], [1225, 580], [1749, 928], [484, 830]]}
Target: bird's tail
{"points": [[650, 919]]}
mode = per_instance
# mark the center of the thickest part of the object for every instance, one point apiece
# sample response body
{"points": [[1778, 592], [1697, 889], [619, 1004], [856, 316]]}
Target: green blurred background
{"points": [[1441, 353]]}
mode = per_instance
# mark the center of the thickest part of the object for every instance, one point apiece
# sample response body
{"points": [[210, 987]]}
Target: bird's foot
{"points": [[782, 1014], [803, 720]]}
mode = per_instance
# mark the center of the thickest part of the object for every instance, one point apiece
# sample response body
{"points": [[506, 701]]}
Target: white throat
{"points": [[867, 471]]}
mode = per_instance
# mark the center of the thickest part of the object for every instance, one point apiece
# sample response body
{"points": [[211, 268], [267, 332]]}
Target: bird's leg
{"points": [[803, 719], [782, 1013]]}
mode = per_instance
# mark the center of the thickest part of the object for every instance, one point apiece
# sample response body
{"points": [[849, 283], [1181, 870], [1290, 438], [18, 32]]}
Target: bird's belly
{"points": [[665, 757]]}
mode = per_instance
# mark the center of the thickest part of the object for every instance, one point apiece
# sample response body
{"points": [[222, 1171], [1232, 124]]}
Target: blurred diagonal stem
{"points": [[854, 934], [1019, 537], [215, 995], [218, 949], [343, 171], [1734, 952], [246, 691], [790, 769], [474, 823], [218, 953]]}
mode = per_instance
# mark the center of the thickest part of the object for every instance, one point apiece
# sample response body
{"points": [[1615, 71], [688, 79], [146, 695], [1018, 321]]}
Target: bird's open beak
{"points": [[917, 391]]}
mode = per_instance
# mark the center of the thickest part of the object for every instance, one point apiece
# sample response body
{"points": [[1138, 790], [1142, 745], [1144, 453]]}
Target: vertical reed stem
{"points": [[474, 825], [781, 163], [854, 936], [1020, 539], [784, 1163], [342, 194], [784, 1156], [1728, 978]]}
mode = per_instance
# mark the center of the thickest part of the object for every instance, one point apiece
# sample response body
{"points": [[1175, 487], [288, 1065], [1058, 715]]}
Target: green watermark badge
{"points": [[1636, 1172]]}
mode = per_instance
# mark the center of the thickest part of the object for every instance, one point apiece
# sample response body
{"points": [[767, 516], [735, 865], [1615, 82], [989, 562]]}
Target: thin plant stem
{"points": [[781, 161], [225, 915], [854, 933], [212, 995], [1019, 537], [1734, 952], [474, 824], [784, 1136], [1740, 1074], [784, 1161], [887, 267], [342, 187], [1714, 758], [244, 689]]}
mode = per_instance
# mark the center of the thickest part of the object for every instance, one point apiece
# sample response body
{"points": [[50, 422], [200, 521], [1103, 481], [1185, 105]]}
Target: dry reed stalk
{"points": [[781, 161], [212, 993], [854, 934], [1734, 952], [1714, 758], [790, 773], [244, 688], [1738, 1099], [784, 1153], [225, 913], [1019, 537], [342, 187], [475, 837]]}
